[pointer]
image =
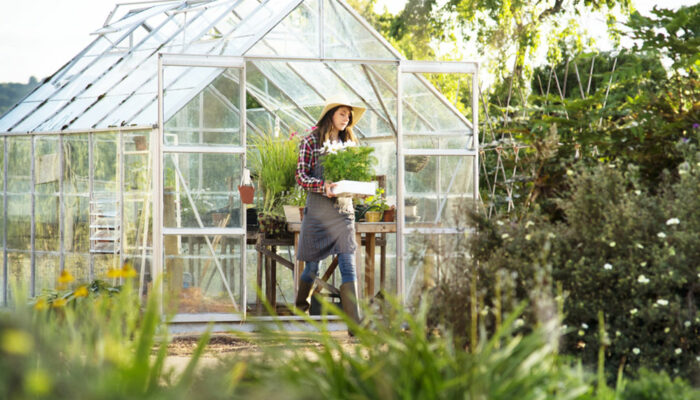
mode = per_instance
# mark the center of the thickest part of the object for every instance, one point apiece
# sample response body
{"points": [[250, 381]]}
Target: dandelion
{"points": [[661, 235], [678, 351], [607, 266], [643, 279], [634, 311], [612, 244], [636, 351], [114, 273], [65, 277], [662, 302], [673, 221], [128, 271], [82, 291]]}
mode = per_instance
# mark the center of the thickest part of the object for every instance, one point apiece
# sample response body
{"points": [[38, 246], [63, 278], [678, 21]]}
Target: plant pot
{"points": [[415, 163], [373, 216], [291, 213], [247, 193], [389, 215]]}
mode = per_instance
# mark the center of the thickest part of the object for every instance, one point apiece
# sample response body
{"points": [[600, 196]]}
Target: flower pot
{"points": [[415, 163], [247, 193], [291, 213], [389, 215], [373, 216]]}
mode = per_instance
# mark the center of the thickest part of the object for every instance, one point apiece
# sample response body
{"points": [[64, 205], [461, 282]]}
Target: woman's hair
{"points": [[323, 130]]}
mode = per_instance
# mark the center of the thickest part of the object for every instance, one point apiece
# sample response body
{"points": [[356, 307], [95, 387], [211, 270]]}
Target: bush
{"points": [[619, 249], [658, 386]]}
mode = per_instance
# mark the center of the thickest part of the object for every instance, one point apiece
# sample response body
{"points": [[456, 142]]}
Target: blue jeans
{"points": [[346, 263]]}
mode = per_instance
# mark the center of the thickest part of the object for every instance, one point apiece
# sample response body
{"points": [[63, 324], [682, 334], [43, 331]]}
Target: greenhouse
{"points": [[131, 153]]}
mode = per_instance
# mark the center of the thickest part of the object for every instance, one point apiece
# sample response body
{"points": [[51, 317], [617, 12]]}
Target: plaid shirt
{"points": [[309, 151]]}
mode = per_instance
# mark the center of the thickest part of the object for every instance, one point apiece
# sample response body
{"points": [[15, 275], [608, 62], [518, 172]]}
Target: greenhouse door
{"points": [[198, 217], [437, 168]]}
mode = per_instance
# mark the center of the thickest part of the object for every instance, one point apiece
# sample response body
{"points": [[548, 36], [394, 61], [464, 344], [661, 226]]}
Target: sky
{"points": [[37, 37]]}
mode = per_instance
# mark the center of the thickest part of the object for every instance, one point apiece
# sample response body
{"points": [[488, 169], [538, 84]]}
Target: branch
{"points": [[556, 8]]}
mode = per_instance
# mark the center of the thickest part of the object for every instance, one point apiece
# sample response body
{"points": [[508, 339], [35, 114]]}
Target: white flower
{"points": [[612, 244], [637, 192], [667, 329], [618, 333], [581, 333], [607, 266], [661, 235], [528, 237], [673, 221], [633, 311], [499, 223], [686, 324], [570, 172], [643, 279], [584, 325], [505, 236], [519, 322], [529, 224], [678, 350], [636, 351], [643, 263], [550, 235], [639, 246], [662, 302]]}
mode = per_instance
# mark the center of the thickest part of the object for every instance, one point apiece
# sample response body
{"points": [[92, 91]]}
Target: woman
{"points": [[328, 226]]}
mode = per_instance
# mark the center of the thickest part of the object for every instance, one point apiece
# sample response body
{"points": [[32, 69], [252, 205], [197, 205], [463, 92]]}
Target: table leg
{"points": [[258, 303], [298, 265], [382, 263], [369, 264], [273, 281], [358, 263]]}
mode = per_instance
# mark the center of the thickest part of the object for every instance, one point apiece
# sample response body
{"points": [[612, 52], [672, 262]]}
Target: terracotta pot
{"points": [[389, 215], [373, 216], [247, 193]]}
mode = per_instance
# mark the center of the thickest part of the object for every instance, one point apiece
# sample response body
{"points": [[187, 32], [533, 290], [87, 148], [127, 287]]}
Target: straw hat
{"points": [[357, 111]]}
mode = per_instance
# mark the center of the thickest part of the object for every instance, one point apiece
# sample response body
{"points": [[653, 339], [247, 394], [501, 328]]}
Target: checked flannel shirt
{"points": [[309, 152]]}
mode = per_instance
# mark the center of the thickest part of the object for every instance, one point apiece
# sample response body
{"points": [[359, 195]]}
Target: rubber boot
{"points": [[348, 298], [302, 300]]}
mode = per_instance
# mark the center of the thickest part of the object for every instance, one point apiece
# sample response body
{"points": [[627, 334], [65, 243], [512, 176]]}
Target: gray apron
{"points": [[327, 228]]}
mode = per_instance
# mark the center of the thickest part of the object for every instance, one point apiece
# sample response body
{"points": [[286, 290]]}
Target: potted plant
{"points": [[376, 205], [410, 207], [274, 162], [350, 166]]}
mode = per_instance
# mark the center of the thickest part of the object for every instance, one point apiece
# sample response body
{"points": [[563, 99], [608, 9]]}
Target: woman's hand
{"points": [[327, 186]]}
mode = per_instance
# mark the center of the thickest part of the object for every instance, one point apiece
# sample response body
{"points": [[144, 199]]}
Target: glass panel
{"points": [[76, 224], [68, 112], [345, 37], [19, 214], [139, 109], [16, 114], [193, 280], [252, 24], [417, 98], [47, 271], [40, 115], [457, 140], [211, 180], [425, 254], [103, 263], [19, 270], [19, 158], [438, 190], [47, 228], [78, 264], [137, 18], [210, 118], [105, 160], [290, 82], [137, 175], [86, 119], [296, 35], [76, 159]]}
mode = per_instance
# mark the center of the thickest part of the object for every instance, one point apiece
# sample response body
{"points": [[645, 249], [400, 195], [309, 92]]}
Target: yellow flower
{"points": [[82, 291], [65, 277], [128, 271], [60, 302], [114, 273], [41, 305], [14, 341]]}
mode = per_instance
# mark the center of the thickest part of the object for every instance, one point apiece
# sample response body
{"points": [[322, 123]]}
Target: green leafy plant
{"points": [[274, 161], [355, 163], [377, 202]]}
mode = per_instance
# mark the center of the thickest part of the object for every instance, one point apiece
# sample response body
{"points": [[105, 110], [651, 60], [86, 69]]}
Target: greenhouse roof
{"points": [[113, 82]]}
